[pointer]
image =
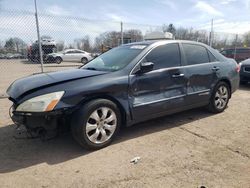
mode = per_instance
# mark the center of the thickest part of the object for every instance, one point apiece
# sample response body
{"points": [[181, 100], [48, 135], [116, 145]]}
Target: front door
{"points": [[161, 90]]}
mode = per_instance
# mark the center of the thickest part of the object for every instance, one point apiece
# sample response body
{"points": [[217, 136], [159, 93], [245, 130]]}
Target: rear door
{"points": [[77, 55], [161, 90], [202, 71]]}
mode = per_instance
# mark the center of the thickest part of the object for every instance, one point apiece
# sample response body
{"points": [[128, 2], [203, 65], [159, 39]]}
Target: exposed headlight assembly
{"points": [[42, 103]]}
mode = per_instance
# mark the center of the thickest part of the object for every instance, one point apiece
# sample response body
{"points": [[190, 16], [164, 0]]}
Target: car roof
{"points": [[159, 42], [74, 49]]}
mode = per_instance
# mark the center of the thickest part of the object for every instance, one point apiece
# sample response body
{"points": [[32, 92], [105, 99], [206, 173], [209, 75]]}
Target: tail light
{"points": [[238, 66]]}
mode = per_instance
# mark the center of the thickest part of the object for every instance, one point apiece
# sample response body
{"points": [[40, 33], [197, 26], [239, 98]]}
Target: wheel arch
{"points": [[122, 108]]}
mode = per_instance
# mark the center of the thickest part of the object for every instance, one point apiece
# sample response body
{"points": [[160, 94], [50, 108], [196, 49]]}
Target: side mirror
{"points": [[146, 67]]}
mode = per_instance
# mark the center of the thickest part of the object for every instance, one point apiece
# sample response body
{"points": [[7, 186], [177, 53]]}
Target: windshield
{"points": [[115, 59]]}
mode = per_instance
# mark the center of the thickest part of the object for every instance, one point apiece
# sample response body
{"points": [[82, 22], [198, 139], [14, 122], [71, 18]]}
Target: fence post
{"points": [[211, 33], [122, 33], [235, 45], [39, 39]]}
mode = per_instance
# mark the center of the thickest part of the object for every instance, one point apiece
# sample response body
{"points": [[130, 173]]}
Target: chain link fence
{"points": [[19, 55]]}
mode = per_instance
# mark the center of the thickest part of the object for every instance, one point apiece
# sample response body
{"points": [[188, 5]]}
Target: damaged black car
{"points": [[126, 85]]}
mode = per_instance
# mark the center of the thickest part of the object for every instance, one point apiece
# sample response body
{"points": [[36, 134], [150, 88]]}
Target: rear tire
{"points": [[84, 60], [219, 98], [95, 125]]}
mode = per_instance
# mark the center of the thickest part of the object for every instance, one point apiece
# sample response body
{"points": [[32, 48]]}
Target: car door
{"points": [[77, 55], [67, 55], [161, 90], [202, 70]]}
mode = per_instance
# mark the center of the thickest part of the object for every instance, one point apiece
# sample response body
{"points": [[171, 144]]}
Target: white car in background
{"points": [[70, 55]]}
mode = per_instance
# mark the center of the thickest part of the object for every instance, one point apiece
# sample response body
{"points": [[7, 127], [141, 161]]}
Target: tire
{"points": [[84, 60], [58, 60], [88, 124], [219, 98]]}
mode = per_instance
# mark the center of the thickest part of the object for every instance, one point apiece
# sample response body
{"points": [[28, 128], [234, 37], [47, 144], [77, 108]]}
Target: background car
{"points": [[72, 55], [245, 71], [239, 54]]}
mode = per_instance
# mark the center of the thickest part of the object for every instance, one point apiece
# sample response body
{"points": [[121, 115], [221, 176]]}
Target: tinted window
{"points": [[78, 52], [195, 54], [164, 56], [242, 51], [69, 52], [211, 57]]}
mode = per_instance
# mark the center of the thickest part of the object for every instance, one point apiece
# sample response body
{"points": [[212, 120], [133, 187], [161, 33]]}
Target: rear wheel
{"points": [[95, 125], [84, 60], [220, 97]]}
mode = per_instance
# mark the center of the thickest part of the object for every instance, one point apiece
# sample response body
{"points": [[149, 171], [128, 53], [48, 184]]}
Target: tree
{"points": [[113, 38], [169, 28], [83, 43], [246, 39], [19, 45], [10, 45], [15, 45], [60, 45]]}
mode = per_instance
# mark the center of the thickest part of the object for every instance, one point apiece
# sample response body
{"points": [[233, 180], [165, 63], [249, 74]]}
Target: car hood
{"points": [[34, 82], [246, 62]]}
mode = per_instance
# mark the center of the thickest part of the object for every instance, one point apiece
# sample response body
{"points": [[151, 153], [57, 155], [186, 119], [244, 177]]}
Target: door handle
{"points": [[177, 75], [215, 68]]}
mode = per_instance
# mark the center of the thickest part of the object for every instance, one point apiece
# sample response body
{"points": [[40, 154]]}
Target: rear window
{"points": [[195, 54]]}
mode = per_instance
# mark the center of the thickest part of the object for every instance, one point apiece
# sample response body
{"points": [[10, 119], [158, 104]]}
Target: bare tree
{"points": [[60, 45]]}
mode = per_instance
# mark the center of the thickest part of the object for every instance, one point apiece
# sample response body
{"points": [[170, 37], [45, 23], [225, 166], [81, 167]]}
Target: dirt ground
{"points": [[188, 149]]}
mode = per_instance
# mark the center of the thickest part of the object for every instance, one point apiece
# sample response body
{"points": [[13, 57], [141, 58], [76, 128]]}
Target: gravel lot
{"points": [[188, 149]]}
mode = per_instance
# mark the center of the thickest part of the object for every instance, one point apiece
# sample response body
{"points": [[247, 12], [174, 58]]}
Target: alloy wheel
{"points": [[221, 97], [101, 125]]}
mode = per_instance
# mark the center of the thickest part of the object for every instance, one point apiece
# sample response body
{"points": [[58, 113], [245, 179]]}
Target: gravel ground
{"points": [[188, 149]]}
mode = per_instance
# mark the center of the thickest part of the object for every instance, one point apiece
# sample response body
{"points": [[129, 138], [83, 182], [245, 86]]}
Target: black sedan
{"points": [[126, 85], [245, 71]]}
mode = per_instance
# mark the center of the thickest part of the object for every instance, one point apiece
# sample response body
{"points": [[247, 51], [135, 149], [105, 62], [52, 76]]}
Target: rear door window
{"points": [[195, 54]]}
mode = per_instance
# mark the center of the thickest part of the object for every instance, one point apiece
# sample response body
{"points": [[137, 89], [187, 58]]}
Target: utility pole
{"points": [[39, 39], [235, 45], [211, 33], [122, 33]]}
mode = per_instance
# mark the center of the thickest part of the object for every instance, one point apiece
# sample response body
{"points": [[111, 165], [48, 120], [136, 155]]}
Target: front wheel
{"points": [[95, 125], [58, 60], [220, 98]]}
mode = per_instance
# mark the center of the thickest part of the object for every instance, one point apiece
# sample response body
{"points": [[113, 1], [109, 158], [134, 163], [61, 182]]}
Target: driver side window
{"points": [[164, 56]]}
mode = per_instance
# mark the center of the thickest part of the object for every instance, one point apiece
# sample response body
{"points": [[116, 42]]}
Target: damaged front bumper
{"points": [[44, 124]]}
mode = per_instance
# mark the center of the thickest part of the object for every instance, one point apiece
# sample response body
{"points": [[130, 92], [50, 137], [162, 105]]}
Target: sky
{"points": [[230, 16]]}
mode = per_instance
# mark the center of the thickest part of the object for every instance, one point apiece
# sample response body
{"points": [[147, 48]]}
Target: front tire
{"points": [[58, 60], [219, 98], [95, 125]]}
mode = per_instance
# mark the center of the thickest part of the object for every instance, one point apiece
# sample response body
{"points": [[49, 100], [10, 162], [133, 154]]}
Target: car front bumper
{"points": [[47, 122], [245, 73]]}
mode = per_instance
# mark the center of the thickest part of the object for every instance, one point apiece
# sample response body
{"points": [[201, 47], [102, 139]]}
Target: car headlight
{"points": [[42, 103]]}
